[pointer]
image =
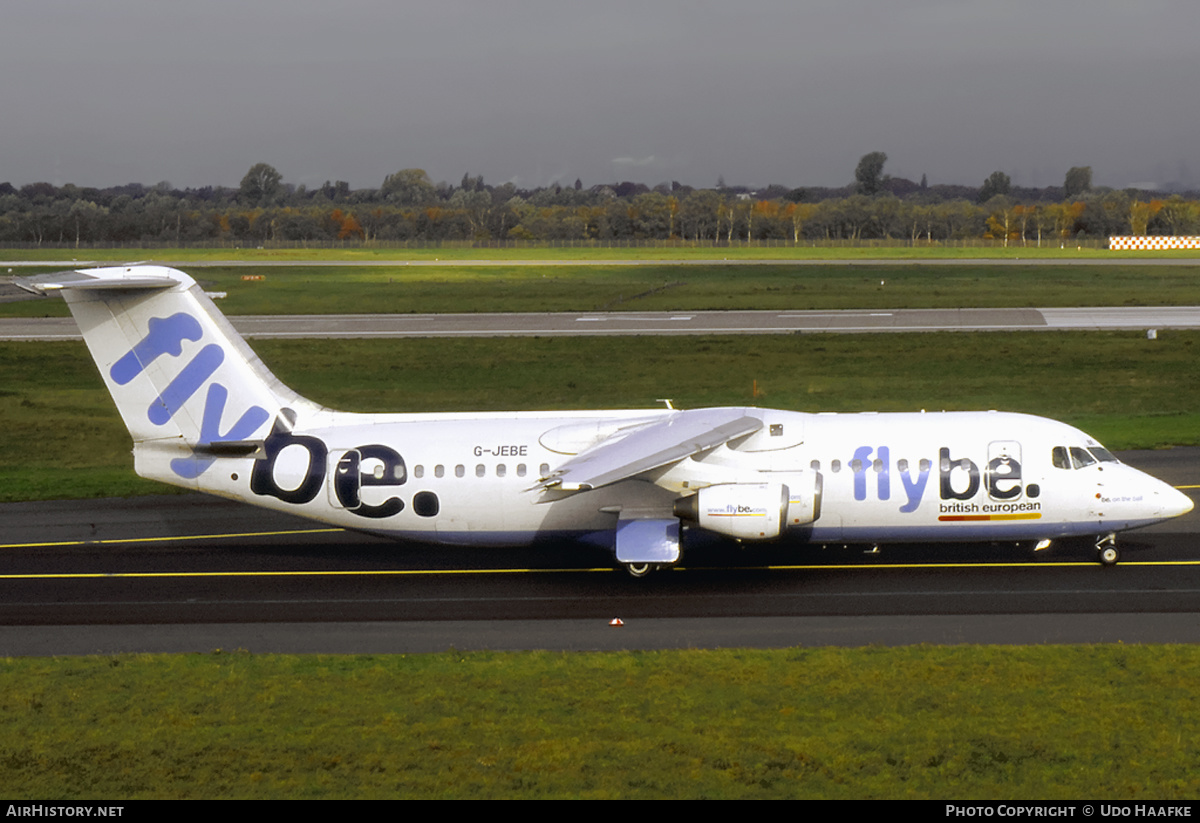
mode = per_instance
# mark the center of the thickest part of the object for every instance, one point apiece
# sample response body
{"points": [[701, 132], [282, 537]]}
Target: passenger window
{"points": [[815, 465], [835, 466], [544, 469], [902, 465], [520, 470], [877, 466], [460, 470], [1058, 457], [439, 470], [500, 470], [418, 471], [925, 464], [856, 465], [480, 470]]}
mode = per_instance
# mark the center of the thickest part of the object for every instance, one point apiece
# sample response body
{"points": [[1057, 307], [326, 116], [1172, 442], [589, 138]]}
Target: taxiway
{"points": [[193, 573], [568, 324]]}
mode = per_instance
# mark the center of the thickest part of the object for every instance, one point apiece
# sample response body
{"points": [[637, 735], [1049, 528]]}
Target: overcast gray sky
{"points": [[538, 91]]}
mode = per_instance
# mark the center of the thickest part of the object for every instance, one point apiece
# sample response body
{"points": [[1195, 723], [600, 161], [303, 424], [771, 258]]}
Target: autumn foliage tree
{"points": [[410, 207]]}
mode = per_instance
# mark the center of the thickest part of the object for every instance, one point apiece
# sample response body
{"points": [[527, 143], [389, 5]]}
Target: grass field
{"points": [[396, 289], [592, 251], [1040, 723]]}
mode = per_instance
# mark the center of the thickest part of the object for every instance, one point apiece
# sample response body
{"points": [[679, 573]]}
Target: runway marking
{"points": [[162, 539], [615, 332], [439, 572], [840, 313]]}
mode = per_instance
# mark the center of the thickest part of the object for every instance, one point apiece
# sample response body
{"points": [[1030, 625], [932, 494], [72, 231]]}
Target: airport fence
{"points": [[893, 243]]}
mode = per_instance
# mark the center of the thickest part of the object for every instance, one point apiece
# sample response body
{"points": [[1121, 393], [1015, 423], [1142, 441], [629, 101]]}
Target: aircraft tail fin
{"points": [[187, 386]]}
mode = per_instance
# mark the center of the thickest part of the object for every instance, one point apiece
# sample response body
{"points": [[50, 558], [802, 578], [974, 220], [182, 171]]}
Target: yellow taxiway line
{"points": [[436, 572], [400, 572], [179, 538]]}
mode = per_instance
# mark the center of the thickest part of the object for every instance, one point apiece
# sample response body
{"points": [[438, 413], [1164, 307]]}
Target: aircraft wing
{"points": [[650, 447]]}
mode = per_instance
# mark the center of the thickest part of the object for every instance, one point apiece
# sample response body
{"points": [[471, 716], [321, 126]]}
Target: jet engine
{"points": [[753, 511]]}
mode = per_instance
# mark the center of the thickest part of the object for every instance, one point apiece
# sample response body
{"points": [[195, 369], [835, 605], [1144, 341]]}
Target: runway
{"points": [[192, 573], [664, 323]]}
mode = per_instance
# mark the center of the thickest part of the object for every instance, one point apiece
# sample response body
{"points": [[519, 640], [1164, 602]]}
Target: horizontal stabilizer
{"points": [[229, 448], [108, 278]]}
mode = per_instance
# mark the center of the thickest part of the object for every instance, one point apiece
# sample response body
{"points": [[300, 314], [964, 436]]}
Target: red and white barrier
{"points": [[1117, 243]]}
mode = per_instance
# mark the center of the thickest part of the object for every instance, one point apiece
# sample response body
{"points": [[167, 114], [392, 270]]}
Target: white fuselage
{"points": [[949, 476]]}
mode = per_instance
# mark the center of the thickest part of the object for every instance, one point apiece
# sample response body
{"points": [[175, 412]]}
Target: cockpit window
{"points": [[1076, 458], [1081, 457]]}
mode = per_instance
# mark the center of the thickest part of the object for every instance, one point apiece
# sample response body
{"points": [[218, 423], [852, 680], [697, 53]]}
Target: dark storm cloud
{"points": [[544, 90]]}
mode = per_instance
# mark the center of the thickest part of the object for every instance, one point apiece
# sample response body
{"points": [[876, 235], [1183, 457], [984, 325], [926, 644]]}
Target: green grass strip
{"points": [[1048, 722], [871, 250], [394, 289]]}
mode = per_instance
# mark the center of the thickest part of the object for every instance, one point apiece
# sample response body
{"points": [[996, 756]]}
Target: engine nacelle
{"points": [[754, 511], [747, 511], [804, 498]]}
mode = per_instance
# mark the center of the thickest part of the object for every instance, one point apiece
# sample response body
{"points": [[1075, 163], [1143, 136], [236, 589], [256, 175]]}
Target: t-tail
{"points": [[186, 384]]}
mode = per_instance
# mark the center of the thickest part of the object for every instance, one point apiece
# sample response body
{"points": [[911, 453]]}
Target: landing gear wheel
{"points": [[638, 569], [1107, 546]]}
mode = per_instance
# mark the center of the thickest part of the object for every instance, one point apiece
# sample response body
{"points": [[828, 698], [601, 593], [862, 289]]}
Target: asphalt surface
{"points": [[661, 323], [193, 573]]}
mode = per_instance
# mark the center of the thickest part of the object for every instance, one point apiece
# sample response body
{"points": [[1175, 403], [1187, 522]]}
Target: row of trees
{"points": [[408, 206]]}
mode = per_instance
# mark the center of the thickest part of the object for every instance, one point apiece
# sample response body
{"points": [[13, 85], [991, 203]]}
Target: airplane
{"points": [[206, 414]]}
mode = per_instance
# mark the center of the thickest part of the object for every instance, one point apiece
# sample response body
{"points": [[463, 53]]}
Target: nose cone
{"points": [[1174, 503], [1137, 499]]}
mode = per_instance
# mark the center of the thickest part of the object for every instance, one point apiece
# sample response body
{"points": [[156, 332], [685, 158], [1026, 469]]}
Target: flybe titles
{"points": [[958, 478], [365, 466], [165, 337]]}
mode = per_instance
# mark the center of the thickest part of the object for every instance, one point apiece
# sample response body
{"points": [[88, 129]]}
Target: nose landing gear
{"points": [[1106, 545]]}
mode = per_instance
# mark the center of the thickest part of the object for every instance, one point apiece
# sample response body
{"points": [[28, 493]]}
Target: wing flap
{"points": [[650, 447]]}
